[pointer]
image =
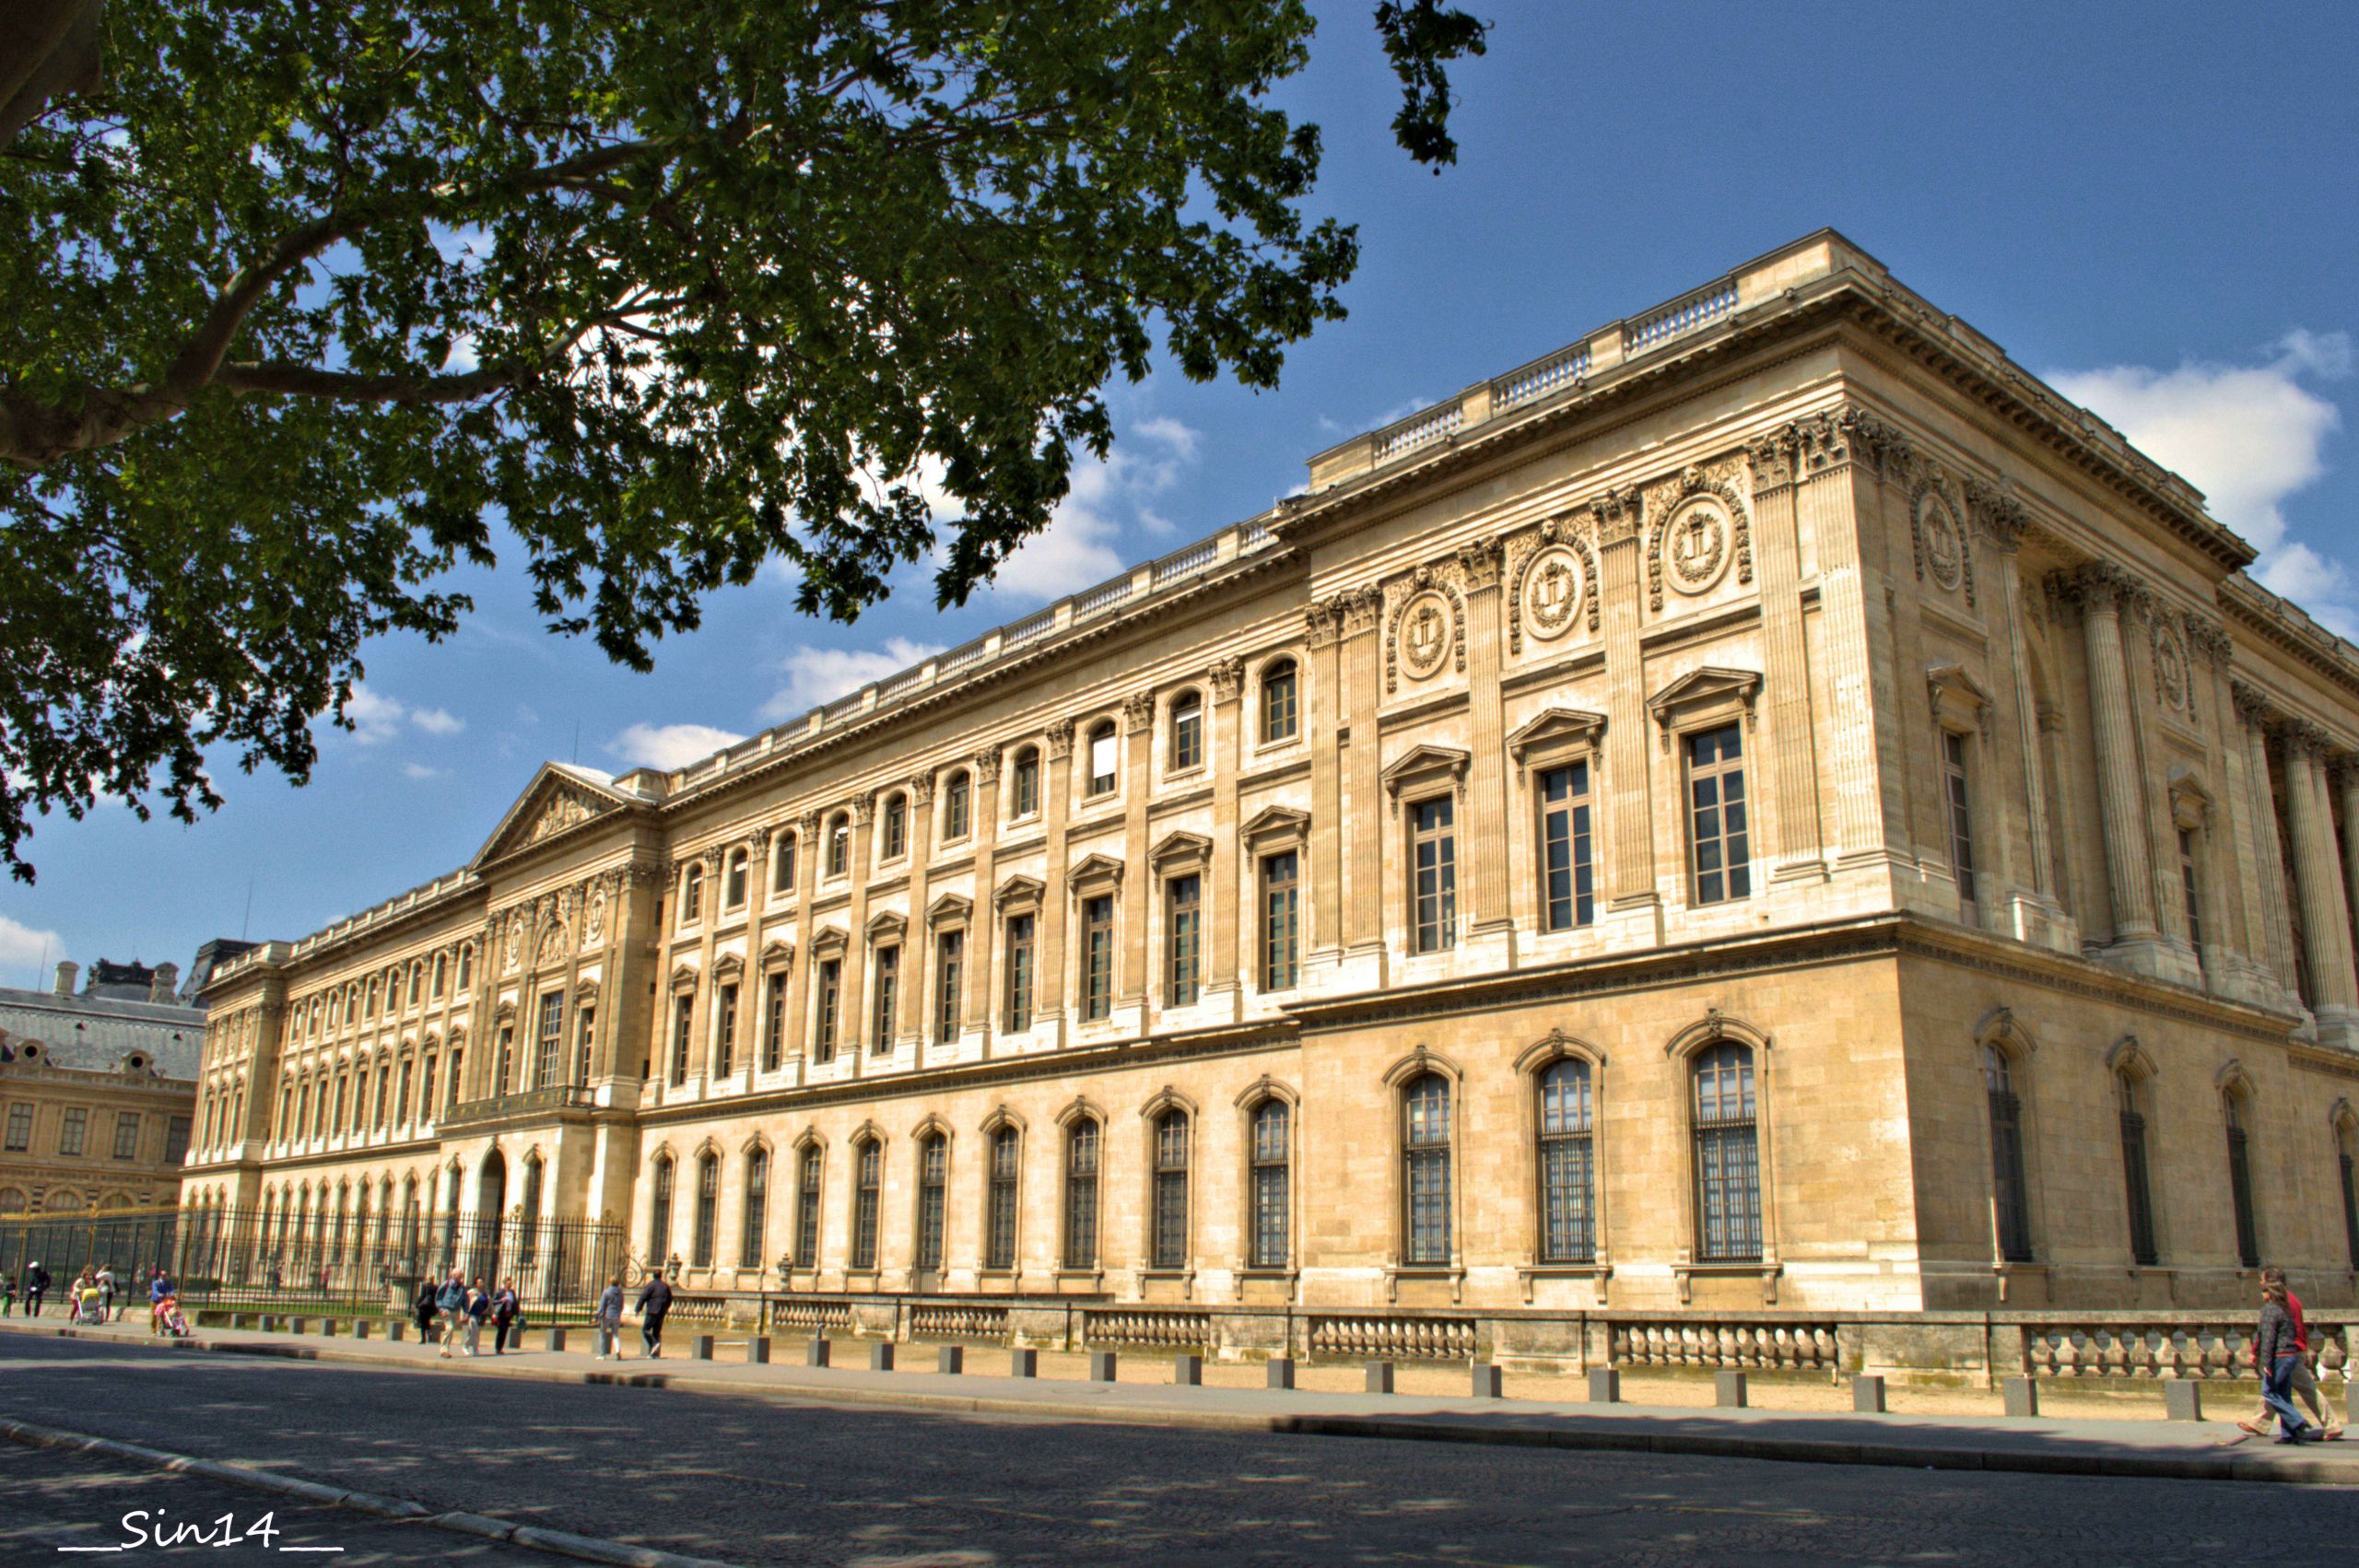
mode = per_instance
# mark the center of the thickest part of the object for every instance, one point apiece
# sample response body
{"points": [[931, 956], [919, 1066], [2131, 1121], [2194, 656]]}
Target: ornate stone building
{"points": [[1769, 806]]}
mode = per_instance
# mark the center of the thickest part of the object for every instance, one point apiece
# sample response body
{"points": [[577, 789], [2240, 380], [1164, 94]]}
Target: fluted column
{"points": [[2344, 775], [1364, 840], [1223, 901], [797, 1045], [1793, 740], [1138, 750], [2317, 881], [1838, 486], [917, 956], [1049, 982], [1323, 928], [851, 1019], [2098, 588], [1629, 817], [2271, 902], [982, 923], [1486, 787]]}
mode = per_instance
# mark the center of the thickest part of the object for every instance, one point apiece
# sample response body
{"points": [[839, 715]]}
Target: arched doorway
{"points": [[491, 1202]]}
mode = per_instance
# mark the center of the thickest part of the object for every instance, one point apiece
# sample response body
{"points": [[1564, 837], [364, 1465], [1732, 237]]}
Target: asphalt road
{"points": [[766, 1481]]}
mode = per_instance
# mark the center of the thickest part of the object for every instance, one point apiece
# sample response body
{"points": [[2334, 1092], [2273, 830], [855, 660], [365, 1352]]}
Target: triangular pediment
{"points": [[1275, 822], [1181, 847], [1558, 726], [1018, 890], [1700, 688], [1424, 762], [1095, 868], [949, 907], [560, 797]]}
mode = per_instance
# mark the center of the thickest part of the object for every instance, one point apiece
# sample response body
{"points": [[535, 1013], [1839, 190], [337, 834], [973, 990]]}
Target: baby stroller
{"points": [[170, 1318], [88, 1306]]}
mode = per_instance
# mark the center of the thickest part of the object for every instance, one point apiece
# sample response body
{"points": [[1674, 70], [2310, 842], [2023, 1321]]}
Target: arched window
{"points": [[868, 1185], [692, 893], [707, 1208], [958, 806], [732, 887], [2346, 1155], [2135, 1183], [894, 834], [1727, 1156], [1081, 1194], [384, 1093], [839, 845], [782, 863], [1425, 1177], [933, 1190], [1567, 1165], [1105, 758], [2231, 1104], [1024, 792], [806, 1208], [659, 1214], [441, 973], [466, 965], [2010, 1194], [212, 1121], [236, 1128], [1187, 732], [1273, 1195], [1281, 702], [1169, 1215], [751, 1234], [999, 1251], [416, 981]]}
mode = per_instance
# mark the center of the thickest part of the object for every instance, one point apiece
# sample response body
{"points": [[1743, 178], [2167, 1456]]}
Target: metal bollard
{"points": [[699, 1347], [950, 1359], [397, 1330], [1187, 1370], [555, 1340], [1379, 1377], [880, 1356], [299, 1325], [269, 1323], [1488, 1384], [360, 1327], [818, 1352], [1867, 1395], [1024, 1364], [328, 1327], [1102, 1366], [2182, 1400], [1728, 1390], [2022, 1395], [1280, 1373], [757, 1351], [1604, 1385]]}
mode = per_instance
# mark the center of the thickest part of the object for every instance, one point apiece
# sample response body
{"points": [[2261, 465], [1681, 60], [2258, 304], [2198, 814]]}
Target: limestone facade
{"points": [[1766, 806]]}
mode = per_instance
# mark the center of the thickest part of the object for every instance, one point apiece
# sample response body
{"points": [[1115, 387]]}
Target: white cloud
{"points": [[670, 745], [377, 718], [21, 946], [2249, 436], [419, 770], [436, 721], [815, 675], [1107, 519]]}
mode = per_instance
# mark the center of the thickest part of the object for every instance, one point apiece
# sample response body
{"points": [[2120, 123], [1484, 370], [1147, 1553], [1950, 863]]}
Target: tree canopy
{"points": [[309, 303]]}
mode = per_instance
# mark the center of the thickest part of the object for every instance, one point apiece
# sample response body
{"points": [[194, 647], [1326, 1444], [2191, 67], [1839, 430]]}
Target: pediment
{"points": [[1018, 890], [1275, 822], [1099, 868], [1959, 700], [777, 953], [560, 797], [1181, 848], [949, 907], [886, 922], [1558, 727], [1706, 687], [1423, 762]]}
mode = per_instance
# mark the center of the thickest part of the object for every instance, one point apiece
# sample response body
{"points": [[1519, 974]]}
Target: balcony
{"points": [[556, 1097]]}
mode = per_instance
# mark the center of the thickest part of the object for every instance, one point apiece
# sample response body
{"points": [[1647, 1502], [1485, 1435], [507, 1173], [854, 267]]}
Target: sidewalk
{"points": [[2210, 1450]]}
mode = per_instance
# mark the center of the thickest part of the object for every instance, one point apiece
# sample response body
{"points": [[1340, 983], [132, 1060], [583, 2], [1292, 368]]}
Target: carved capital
{"points": [[1323, 622], [987, 767], [1138, 712], [1227, 677], [2252, 705], [921, 788], [863, 808], [1363, 607], [2208, 638], [809, 823], [2097, 586], [1480, 560], [1996, 515], [1618, 514], [1774, 458], [1060, 739], [2306, 739]]}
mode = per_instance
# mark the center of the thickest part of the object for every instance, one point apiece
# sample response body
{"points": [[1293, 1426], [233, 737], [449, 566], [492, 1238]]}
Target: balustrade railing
{"points": [[1683, 315], [1394, 1338]]}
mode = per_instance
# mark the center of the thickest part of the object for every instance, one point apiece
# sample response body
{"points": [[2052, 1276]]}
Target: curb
{"points": [[587, 1548], [2297, 1470]]}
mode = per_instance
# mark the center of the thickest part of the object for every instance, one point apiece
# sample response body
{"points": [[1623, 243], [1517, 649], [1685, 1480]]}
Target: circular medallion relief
{"points": [[1551, 592], [1945, 545], [1424, 633], [1696, 545], [2170, 668]]}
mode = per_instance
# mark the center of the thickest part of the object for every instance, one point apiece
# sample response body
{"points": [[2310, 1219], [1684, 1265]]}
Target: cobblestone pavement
{"points": [[763, 1480]]}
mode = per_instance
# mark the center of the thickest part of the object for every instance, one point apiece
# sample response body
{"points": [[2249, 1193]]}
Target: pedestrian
{"points": [[2303, 1384], [8, 1295], [654, 1300], [159, 1290], [423, 1310], [106, 1293], [450, 1301], [35, 1286], [2273, 1356], [505, 1310], [610, 1320], [478, 1308]]}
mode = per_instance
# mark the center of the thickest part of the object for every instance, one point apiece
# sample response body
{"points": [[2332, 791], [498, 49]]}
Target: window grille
{"points": [[1081, 1195], [2143, 1250], [659, 1213], [1000, 1252], [1568, 1166], [2010, 1192], [1425, 1151], [867, 1193], [1170, 1249], [934, 1185], [806, 1209], [757, 1197], [1728, 1164], [1272, 1202]]}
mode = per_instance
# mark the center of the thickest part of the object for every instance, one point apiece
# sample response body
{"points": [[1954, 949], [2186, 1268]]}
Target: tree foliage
{"points": [[308, 303]]}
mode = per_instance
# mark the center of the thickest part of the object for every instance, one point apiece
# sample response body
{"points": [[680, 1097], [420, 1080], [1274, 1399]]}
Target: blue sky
{"points": [[2151, 205]]}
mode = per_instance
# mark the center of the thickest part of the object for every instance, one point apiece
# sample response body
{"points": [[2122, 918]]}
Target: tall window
{"points": [[451, 1089], [401, 1095], [1096, 957], [2189, 890], [707, 1208], [831, 986], [1187, 732], [1567, 876], [1425, 1148], [1018, 1009], [2010, 1196], [1568, 1166], [750, 1236], [2240, 1183], [867, 1193], [1273, 1200], [1433, 860], [659, 1213], [839, 845], [782, 865], [999, 1251], [1081, 1195], [896, 831], [2346, 1155], [692, 893], [530, 1239], [434, 990], [732, 885], [1961, 810], [934, 1193], [882, 1005], [1719, 848], [425, 1089], [684, 1024], [1727, 1156], [1280, 702], [1281, 920], [957, 807], [1169, 1215], [1024, 791], [127, 1135], [773, 1020], [724, 1031], [2143, 1250], [1182, 939], [20, 1126], [550, 1030], [466, 967], [806, 1208], [385, 1093], [1105, 757], [585, 1035], [949, 970]]}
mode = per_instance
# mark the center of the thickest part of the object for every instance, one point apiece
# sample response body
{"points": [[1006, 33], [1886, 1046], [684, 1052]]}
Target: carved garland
{"points": [[1939, 542], [1691, 483], [1424, 579], [1554, 533]]}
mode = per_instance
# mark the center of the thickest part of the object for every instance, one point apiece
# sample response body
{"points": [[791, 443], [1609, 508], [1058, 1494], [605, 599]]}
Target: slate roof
{"points": [[94, 1034]]}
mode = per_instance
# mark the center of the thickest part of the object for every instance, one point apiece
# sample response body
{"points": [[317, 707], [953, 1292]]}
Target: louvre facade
{"points": [[1768, 808]]}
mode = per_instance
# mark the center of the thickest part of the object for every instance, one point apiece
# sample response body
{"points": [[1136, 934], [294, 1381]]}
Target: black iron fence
{"points": [[346, 1264]]}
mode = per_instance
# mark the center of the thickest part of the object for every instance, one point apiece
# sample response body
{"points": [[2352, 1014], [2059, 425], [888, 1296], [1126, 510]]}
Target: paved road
{"points": [[766, 1481]]}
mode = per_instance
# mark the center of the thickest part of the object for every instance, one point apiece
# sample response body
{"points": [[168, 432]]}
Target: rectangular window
{"points": [[1281, 921], [20, 1127], [1187, 735], [1018, 1009], [725, 1032], [451, 1089], [783, 865], [1169, 1215], [897, 828], [1960, 815], [585, 1031], [1728, 1157], [69, 1136], [757, 1202], [949, 971], [1182, 939], [1718, 841], [2188, 890], [773, 1020], [401, 1112], [831, 985], [1568, 1170], [1024, 796], [884, 1004], [551, 1032], [1433, 851], [1098, 958], [999, 1250], [684, 1024], [176, 1132], [426, 1090], [127, 1135], [954, 810], [1568, 877]]}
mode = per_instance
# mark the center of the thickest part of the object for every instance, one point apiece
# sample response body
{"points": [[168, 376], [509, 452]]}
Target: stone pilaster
{"points": [[1838, 486], [1224, 900], [852, 1035], [1049, 981], [1490, 928], [2258, 844], [1631, 896], [1138, 755], [983, 925], [1799, 851], [917, 956], [2098, 589], [1363, 848], [2317, 882], [2343, 776], [2034, 913], [797, 1046], [1323, 925]]}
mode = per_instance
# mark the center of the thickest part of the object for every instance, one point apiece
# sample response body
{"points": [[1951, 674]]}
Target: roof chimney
{"points": [[165, 985], [66, 971]]}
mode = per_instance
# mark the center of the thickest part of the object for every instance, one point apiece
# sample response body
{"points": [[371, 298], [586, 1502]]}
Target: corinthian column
{"points": [[2098, 588], [2272, 942], [2317, 882]]}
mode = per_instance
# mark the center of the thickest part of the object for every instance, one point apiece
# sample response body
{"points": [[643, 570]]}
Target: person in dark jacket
{"points": [[2273, 1355], [654, 1300], [35, 1284], [2303, 1384], [609, 1327], [505, 1310], [423, 1310]]}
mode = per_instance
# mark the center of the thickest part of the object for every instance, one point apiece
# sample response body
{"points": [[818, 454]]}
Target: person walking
{"points": [[423, 1310], [106, 1294], [505, 1310], [8, 1295], [160, 1288], [2273, 1357], [450, 1301], [610, 1320], [36, 1285], [478, 1308], [654, 1300], [2303, 1382]]}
